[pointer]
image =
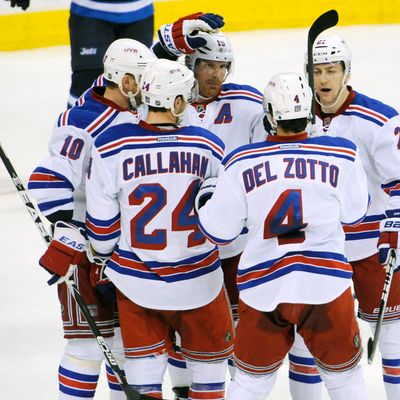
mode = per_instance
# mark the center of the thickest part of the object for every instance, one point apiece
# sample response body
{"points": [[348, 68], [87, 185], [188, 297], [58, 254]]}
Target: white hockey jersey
{"points": [[375, 128], [58, 183], [293, 194], [140, 206], [236, 117]]}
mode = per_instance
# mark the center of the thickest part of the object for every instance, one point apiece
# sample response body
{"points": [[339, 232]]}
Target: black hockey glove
{"points": [[24, 4]]}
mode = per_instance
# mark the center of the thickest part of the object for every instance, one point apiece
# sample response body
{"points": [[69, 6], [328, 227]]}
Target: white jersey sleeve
{"points": [[353, 205], [385, 150], [227, 204], [102, 194], [56, 184], [375, 128]]}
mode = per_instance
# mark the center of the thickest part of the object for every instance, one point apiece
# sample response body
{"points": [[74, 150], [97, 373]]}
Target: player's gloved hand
{"points": [[205, 193], [66, 251], [180, 37], [24, 4], [389, 238], [98, 279]]}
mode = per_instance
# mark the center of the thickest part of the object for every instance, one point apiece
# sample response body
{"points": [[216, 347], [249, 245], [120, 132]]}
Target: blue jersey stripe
{"points": [[118, 18], [105, 237], [302, 360], [298, 267], [366, 117], [362, 235], [310, 254], [153, 276], [76, 375], [50, 172], [48, 205], [87, 394], [172, 145], [302, 151], [310, 379], [156, 264], [386, 362], [48, 185], [233, 97], [103, 222]]}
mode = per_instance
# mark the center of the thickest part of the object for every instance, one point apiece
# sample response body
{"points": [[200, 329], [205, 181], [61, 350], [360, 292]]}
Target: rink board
{"points": [[27, 30]]}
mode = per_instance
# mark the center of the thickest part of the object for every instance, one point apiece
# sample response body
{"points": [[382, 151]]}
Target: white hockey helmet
{"points": [[163, 80], [126, 56], [287, 96], [218, 48], [331, 49]]}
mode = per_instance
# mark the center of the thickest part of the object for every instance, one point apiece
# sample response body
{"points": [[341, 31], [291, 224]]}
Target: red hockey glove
{"points": [[179, 37], [66, 251], [389, 239]]}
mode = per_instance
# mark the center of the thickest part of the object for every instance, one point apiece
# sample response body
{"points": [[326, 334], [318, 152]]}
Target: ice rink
{"points": [[34, 87]]}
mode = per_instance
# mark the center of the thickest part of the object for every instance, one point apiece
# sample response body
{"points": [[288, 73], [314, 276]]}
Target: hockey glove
{"points": [[180, 37], [66, 251], [98, 279], [24, 4], [389, 238], [205, 193]]}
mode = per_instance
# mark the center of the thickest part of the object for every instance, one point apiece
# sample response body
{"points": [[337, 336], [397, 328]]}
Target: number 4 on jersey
{"points": [[285, 219]]}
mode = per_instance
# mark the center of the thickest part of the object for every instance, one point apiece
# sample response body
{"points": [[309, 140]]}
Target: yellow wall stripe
{"points": [[27, 30]]}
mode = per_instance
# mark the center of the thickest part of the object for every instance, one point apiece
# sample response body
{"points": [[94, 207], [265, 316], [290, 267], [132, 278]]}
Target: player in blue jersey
{"points": [[375, 128], [293, 193], [93, 26], [140, 196]]}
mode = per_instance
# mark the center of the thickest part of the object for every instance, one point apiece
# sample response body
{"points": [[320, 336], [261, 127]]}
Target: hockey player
{"points": [[374, 127], [58, 185], [234, 113], [140, 192], [292, 192]]}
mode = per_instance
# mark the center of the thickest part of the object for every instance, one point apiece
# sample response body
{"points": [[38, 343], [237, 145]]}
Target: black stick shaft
{"points": [[372, 343], [321, 24]]}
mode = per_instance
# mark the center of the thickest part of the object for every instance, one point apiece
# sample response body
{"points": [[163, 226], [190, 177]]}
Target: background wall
{"points": [[46, 21]]}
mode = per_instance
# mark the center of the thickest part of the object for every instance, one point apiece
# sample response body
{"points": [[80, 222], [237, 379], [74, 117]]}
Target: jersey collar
{"points": [[161, 128], [342, 108], [97, 93], [289, 138]]}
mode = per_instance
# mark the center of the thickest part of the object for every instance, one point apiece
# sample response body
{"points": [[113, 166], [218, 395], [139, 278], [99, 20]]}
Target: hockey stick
{"points": [[322, 23], [131, 393], [372, 343]]}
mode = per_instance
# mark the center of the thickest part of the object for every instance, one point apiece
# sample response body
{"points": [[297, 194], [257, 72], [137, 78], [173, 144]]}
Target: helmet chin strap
{"points": [[178, 115], [131, 96], [337, 97], [272, 121]]}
